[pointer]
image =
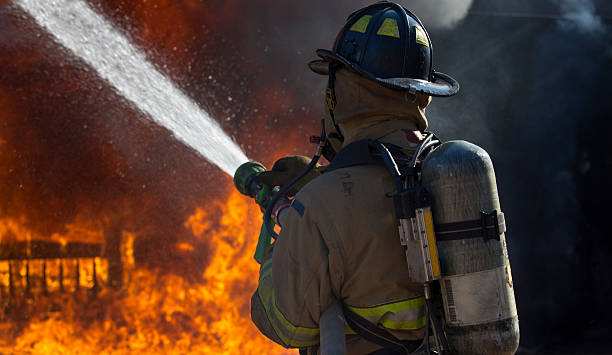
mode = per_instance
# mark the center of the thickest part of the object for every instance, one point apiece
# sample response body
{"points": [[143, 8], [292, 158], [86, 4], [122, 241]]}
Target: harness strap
{"points": [[330, 98], [489, 227], [362, 152], [378, 335]]}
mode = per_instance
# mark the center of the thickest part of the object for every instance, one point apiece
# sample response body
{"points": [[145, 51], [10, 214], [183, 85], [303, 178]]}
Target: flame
{"points": [[77, 165], [162, 313]]}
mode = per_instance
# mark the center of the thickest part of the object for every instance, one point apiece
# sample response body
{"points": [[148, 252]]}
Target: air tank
{"points": [[476, 284]]}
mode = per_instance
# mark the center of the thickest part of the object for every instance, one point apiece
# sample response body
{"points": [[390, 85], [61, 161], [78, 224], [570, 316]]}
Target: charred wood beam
{"points": [[44, 276], [27, 275], [95, 286], [61, 276], [77, 278], [11, 286], [40, 249], [112, 251]]}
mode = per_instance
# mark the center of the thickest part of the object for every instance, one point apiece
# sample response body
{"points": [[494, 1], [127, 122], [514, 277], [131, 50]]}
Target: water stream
{"points": [[89, 36]]}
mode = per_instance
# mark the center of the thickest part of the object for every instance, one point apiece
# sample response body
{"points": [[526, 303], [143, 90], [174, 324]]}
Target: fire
{"points": [[78, 165], [162, 313]]}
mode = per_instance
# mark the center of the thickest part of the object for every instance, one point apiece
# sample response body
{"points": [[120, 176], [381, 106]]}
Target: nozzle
{"points": [[244, 178]]}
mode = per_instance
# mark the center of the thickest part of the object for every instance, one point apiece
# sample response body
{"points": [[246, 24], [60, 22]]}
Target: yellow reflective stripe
{"points": [[291, 327], [402, 315], [362, 24], [289, 334], [348, 330], [389, 28], [266, 269], [394, 307], [404, 325]]}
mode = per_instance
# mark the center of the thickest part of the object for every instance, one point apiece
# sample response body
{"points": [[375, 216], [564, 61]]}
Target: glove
{"points": [[286, 169]]}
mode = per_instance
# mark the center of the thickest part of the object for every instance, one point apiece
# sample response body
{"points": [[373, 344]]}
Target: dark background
{"points": [[535, 93]]}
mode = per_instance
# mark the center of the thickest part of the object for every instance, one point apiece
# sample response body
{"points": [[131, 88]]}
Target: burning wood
{"points": [[153, 312], [80, 168]]}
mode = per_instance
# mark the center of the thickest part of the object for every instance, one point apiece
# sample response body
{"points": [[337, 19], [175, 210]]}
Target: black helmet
{"points": [[388, 44]]}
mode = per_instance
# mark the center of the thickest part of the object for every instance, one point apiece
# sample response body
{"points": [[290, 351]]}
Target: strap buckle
{"points": [[490, 226]]}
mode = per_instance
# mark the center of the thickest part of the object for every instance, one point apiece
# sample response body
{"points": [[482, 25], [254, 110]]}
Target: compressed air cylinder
{"points": [[480, 314]]}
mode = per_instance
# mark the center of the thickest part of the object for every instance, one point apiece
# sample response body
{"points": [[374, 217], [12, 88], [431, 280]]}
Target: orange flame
{"points": [[162, 314]]}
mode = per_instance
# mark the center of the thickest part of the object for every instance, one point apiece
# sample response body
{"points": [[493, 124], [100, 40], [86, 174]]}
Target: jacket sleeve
{"points": [[295, 286]]}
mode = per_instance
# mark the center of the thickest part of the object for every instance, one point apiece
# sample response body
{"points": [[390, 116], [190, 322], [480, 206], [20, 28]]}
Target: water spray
{"points": [[89, 36]]}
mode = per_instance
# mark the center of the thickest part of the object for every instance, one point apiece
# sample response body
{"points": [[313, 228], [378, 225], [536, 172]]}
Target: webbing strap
{"points": [[362, 152], [489, 227], [377, 335], [330, 98]]}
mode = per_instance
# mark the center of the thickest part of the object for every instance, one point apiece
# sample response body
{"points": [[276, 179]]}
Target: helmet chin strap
{"points": [[330, 98]]}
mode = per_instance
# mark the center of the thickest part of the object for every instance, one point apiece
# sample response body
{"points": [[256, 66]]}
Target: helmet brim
{"points": [[442, 85]]}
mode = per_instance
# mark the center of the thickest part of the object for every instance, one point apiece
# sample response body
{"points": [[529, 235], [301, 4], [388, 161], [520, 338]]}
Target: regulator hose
{"points": [[283, 191], [439, 332], [323, 142]]}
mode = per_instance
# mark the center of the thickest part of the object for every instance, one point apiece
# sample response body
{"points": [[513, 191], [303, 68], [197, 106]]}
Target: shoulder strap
{"points": [[363, 152]]}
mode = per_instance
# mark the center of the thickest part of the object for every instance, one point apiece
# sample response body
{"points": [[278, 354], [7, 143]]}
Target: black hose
{"points": [[283, 190], [436, 324], [390, 164], [429, 141], [427, 325]]}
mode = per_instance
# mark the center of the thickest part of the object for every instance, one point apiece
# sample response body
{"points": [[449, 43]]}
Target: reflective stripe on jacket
{"points": [[289, 334], [399, 315]]}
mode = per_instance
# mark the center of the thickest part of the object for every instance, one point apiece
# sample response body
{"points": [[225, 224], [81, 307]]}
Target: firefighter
{"points": [[339, 237]]}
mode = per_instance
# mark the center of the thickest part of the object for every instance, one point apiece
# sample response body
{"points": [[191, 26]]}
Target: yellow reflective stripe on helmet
{"points": [[420, 36], [288, 333], [402, 315], [389, 28], [362, 24]]}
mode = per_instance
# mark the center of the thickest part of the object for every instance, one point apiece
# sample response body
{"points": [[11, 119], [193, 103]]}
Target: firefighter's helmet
{"points": [[388, 44]]}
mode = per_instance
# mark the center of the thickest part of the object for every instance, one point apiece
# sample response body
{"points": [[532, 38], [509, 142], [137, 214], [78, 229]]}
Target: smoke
{"points": [[580, 14], [439, 13]]}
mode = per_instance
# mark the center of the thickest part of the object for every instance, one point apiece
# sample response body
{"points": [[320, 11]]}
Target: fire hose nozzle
{"points": [[245, 178]]}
